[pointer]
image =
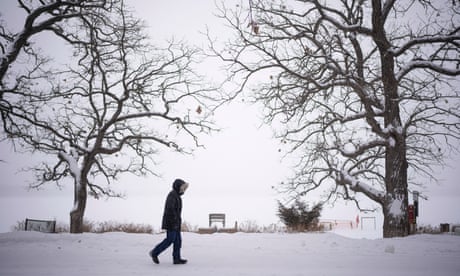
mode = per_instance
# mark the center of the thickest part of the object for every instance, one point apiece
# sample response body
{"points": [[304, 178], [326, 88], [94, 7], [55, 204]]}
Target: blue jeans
{"points": [[172, 237]]}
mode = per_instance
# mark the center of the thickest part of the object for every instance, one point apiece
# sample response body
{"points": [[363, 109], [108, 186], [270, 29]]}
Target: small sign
{"points": [[411, 212]]}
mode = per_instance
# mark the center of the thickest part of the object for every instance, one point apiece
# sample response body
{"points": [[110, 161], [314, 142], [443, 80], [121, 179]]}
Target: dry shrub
{"points": [[187, 227], [112, 226], [19, 226], [249, 226], [97, 227]]}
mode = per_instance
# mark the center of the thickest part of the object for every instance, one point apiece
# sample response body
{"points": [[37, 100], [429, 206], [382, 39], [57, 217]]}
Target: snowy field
{"points": [[315, 254]]}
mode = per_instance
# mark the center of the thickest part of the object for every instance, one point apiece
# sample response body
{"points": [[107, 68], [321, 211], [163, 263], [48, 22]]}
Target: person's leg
{"points": [[162, 246], [176, 250], [177, 245]]}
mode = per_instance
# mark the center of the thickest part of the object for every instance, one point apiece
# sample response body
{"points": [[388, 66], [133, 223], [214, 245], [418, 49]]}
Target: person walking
{"points": [[172, 222]]}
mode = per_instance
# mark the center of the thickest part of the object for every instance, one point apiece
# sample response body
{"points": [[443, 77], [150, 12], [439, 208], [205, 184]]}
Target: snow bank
{"points": [[33, 253]]}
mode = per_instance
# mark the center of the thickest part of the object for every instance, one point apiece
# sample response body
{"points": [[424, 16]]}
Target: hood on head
{"points": [[179, 186]]}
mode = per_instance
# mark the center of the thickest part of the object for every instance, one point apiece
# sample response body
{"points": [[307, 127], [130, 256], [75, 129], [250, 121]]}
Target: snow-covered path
{"points": [[32, 253]]}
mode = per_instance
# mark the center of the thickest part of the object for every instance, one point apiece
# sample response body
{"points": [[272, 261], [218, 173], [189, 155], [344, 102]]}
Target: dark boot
{"points": [[180, 261], [154, 257]]}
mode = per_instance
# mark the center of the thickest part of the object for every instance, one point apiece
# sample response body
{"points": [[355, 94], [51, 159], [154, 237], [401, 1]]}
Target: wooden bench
{"points": [[217, 218], [47, 226]]}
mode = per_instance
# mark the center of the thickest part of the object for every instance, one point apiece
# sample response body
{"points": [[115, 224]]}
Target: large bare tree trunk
{"points": [[77, 213], [395, 204], [395, 220]]}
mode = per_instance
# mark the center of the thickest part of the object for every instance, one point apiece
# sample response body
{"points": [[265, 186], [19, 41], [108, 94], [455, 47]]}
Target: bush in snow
{"points": [[298, 217]]}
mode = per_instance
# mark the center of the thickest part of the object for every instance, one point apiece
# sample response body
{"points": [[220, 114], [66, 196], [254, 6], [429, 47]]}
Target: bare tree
{"points": [[366, 91], [111, 110], [42, 16], [21, 58]]}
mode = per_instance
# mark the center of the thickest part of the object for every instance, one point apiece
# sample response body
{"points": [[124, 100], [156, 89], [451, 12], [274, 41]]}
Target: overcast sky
{"points": [[234, 174]]}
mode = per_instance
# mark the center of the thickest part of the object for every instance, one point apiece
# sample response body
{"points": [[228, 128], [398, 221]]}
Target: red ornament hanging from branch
{"points": [[252, 23]]}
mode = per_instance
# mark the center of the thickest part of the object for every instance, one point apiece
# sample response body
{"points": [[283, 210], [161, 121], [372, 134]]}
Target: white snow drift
{"points": [[33, 253]]}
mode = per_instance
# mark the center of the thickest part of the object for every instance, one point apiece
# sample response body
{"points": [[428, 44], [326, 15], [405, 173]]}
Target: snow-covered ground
{"points": [[33, 253]]}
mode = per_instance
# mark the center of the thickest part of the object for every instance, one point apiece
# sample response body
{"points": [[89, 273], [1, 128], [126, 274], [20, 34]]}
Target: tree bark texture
{"points": [[76, 215], [395, 222]]}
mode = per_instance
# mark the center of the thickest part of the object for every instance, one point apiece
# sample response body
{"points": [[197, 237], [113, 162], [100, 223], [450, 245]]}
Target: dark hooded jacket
{"points": [[172, 220]]}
